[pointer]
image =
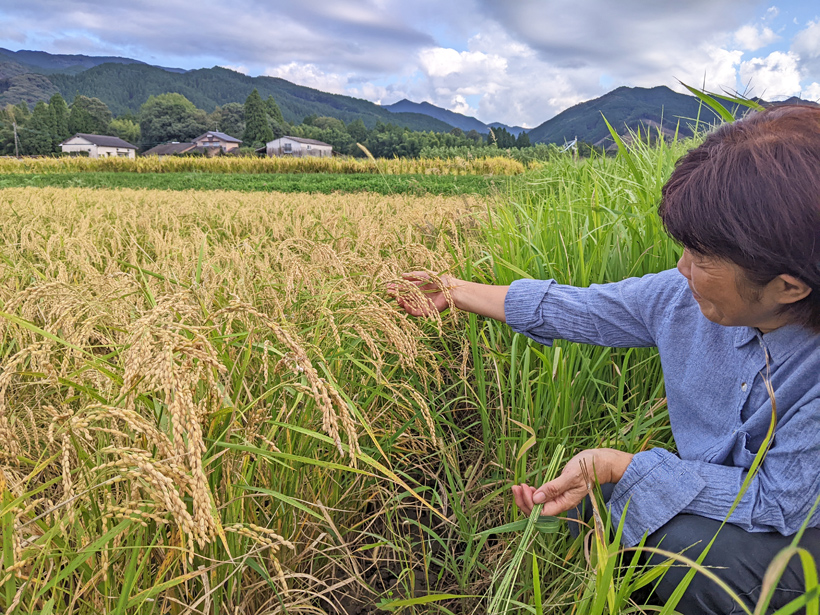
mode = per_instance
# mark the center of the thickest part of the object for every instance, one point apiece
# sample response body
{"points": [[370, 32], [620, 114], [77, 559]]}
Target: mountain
{"points": [[124, 87], [125, 84], [514, 130], [49, 63], [464, 122], [624, 108], [17, 84], [458, 120]]}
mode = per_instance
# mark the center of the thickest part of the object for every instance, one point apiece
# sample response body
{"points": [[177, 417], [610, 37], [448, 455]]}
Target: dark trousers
{"points": [[738, 557]]}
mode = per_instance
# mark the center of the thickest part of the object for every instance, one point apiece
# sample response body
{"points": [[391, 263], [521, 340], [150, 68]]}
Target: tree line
{"points": [[172, 117]]}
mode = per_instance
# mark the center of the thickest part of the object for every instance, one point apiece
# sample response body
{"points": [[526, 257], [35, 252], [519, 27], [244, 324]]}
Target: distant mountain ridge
{"points": [[658, 108], [457, 120], [125, 87], [125, 84], [50, 63], [625, 108]]}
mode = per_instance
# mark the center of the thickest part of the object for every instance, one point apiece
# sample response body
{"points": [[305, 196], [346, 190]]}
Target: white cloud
{"points": [[310, 76], [752, 38], [806, 44], [459, 104], [775, 76], [518, 62], [811, 92], [442, 62]]}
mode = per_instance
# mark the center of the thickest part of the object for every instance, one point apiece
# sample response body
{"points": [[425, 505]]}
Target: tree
{"points": [[35, 136], [329, 123], [457, 132], [9, 116], [88, 115], [503, 137], [170, 117], [230, 119], [357, 131], [58, 109], [474, 136], [273, 110], [523, 140], [126, 129], [279, 127], [257, 130]]}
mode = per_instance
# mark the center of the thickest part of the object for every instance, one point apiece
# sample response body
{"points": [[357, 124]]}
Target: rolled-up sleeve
{"points": [[659, 485], [621, 314]]}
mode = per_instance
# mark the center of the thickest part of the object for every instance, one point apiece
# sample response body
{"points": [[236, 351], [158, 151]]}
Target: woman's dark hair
{"points": [[750, 194]]}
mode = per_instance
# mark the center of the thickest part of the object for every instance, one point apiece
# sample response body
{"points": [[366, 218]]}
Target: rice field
{"points": [[209, 403], [497, 165]]}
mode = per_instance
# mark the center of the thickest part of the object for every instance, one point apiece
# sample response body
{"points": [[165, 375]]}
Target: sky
{"points": [[519, 62]]}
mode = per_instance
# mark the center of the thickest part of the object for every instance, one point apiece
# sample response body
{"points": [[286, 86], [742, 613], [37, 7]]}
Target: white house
{"points": [[99, 146], [298, 147]]}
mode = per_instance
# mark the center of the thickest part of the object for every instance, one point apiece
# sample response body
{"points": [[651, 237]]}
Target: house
{"points": [[171, 149], [213, 138], [298, 147], [99, 146]]}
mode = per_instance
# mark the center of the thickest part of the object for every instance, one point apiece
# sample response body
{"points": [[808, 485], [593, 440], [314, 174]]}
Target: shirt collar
{"points": [[781, 342]]}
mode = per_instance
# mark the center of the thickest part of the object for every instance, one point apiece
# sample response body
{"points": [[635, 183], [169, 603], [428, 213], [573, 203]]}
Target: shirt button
{"points": [[743, 387]]}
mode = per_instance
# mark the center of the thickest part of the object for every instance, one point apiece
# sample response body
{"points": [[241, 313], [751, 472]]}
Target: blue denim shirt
{"points": [[719, 408]]}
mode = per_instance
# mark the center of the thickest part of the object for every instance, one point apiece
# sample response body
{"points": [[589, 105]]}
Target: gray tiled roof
{"points": [[307, 141], [219, 135], [102, 140]]}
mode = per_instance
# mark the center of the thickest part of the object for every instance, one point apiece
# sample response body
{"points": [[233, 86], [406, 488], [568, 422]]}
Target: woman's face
{"points": [[717, 286]]}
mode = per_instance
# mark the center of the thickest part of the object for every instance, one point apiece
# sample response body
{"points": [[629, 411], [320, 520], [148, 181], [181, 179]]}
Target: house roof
{"points": [[167, 149], [102, 140], [306, 141], [219, 135]]}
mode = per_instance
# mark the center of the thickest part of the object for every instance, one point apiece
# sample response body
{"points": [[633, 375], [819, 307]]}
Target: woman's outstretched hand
{"points": [[435, 293], [569, 489]]}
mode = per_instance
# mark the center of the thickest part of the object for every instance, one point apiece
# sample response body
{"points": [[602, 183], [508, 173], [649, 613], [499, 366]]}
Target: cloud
{"points": [[441, 62], [518, 62], [806, 44], [310, 76], [811, 92], [613, 34], [773, 77], [342, 33], [752, 38]]}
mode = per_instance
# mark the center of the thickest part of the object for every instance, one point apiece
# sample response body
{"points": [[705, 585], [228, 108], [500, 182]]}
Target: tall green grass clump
{"points": [[578, 222], [581, 223]]}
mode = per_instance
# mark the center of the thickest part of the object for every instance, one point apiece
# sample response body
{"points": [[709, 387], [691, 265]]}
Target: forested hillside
{"points": [[125, 87]]}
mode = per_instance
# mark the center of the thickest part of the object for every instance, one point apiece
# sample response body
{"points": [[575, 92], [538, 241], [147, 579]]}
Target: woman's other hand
{"points": [[569, 489]]}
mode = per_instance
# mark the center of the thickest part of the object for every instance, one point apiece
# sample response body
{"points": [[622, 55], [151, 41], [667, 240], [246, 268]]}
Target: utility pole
{"points": [[16, 147]]}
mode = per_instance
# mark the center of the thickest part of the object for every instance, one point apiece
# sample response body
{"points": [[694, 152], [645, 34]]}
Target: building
{"points": [[213, 138], [298, 147], [99, 146], [171, 149]]}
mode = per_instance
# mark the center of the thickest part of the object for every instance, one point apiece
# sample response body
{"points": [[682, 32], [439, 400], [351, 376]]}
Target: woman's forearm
{"points": [[481, 299]]}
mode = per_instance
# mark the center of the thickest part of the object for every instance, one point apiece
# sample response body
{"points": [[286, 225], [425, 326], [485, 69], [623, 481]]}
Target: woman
{"points": [[743, 306]]}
